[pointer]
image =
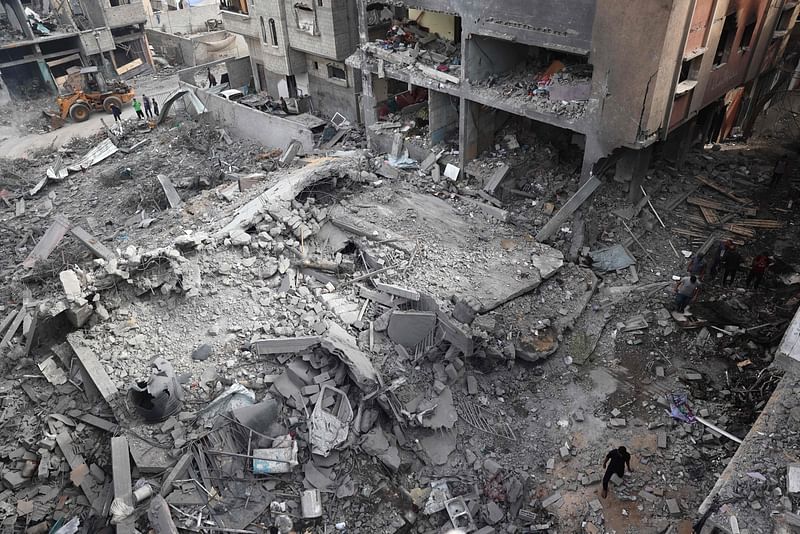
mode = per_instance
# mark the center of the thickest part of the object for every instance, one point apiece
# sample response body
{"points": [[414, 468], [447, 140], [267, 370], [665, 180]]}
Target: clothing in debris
{"points": [[137, 107], [730, 265], [757, 270], [616, 459], [685, 291]]}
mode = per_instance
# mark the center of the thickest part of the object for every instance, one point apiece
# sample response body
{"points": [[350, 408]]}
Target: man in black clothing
{"points": [[618, 459], [730, 265]]}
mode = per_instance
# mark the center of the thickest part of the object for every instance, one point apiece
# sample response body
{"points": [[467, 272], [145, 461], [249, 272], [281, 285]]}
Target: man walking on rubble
{"points": [[685, 292], [155, 107], [730, 265], [757, 270], [717, 254], [616, 459]]}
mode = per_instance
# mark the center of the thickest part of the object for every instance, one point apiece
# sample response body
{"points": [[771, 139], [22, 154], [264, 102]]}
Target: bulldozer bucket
{"points": [[56, 121]]}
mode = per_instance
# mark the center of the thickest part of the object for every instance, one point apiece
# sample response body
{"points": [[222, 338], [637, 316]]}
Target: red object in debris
{"points": [[443, 68]]}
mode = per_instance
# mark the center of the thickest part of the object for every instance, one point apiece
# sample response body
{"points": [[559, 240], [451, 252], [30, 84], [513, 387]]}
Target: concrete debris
{"points": [[330, 420], [360, 325], [376, 443]]}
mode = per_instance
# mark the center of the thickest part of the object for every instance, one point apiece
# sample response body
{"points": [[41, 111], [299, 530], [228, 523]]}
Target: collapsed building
{"points": [[569, 71], [41, 41], [298, 51]]}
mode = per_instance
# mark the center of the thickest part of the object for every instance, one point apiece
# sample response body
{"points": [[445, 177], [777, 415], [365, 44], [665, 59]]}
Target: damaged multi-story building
{"points": [[298, 50], [616, 78], [40, 40]]}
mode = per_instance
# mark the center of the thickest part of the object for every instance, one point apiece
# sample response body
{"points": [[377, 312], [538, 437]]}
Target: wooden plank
{"points": [[75, 461], [336, 138], [31, 332], [13, 329], [380, 298], [178, 471], [710, 215], [284, 345], [98, 422], [497, 176], [721, 189], [568, 209], [92, 243], [7, 320], [123, 486], [173, 197], [49, 241], [719, 206], [93, 370], [406, 293]]}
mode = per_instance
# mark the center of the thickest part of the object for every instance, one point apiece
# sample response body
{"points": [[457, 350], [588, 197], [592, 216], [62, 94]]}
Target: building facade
{"points": [[300, 48], [40, 40], [615, 77]]}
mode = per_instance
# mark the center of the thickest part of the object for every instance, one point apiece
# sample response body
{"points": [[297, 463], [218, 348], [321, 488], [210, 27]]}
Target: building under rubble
{"points": [[41, 40], [298, 51], [615, 78]]}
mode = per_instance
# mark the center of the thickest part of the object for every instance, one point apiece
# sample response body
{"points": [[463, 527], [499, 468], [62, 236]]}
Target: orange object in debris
{"points": [[555, 66]]}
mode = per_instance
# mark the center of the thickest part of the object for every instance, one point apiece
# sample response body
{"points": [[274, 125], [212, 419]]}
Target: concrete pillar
{"points": [[19, 14], [680, 141], [631, 168], [47, 76], [442, 115], [592, 153]]}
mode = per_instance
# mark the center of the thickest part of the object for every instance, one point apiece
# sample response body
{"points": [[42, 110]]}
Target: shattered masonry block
{"points": [[310, 390]]}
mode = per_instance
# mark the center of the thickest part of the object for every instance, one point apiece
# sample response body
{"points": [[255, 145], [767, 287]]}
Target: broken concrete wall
{"points": [[331, 96], [125, 14], [248, 123], [196, 50], [239, 72], [637, 89], [183, 21], [443, 115]]}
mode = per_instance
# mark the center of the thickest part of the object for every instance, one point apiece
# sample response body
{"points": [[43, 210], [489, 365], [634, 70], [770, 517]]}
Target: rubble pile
{"points": [[229, 338], [556, 88]]}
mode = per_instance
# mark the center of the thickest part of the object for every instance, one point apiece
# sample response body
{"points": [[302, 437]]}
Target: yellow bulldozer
{"points": [[84, 91]]}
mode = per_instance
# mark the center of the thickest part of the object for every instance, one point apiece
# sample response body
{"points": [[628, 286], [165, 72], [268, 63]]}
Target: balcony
{"points": [[240, 23], [121, 13]]}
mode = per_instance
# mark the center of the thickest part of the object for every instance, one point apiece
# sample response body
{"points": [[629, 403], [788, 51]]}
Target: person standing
{"points": [[155, 106], [779, 170], [697, 266], [686, 291], [212, 81], [757, 270], [116, 112], [137, 107], [148, 108], [616, 459], [730, 265], [717, 254]]}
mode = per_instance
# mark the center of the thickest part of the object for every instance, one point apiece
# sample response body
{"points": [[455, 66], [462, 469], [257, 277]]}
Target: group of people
{"points": [[724, 257], [149, 105]]}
